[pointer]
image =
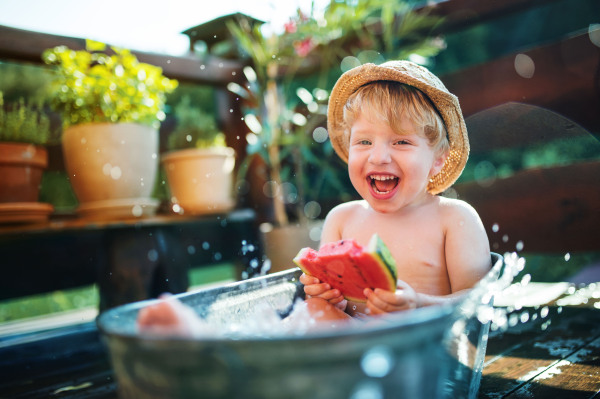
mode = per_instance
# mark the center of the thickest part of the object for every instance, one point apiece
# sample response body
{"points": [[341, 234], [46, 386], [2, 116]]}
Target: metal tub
{"points": [[431, 352]]}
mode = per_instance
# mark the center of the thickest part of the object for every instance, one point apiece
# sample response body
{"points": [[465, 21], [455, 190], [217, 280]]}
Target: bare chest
{"points": [[417, 247]]}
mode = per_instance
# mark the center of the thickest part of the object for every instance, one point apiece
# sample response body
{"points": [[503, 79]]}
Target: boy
{"points": [[404, 139]]}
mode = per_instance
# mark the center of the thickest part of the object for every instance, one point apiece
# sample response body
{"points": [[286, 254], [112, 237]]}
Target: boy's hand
{"points": [[313, 287], [381, 301]]}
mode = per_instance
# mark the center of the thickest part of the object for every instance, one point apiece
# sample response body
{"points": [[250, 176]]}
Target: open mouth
{"points": [[383, 184]]}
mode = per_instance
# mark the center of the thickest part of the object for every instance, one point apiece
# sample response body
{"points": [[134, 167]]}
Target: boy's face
{"points": [[390, 171]]}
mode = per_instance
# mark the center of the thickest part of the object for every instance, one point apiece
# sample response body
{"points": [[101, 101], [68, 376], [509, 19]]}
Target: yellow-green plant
{"points": [[24, 123], [94, 86], [195, 128]]}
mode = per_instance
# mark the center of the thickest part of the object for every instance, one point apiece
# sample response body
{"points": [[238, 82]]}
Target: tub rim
{"points": [[429, 314]]}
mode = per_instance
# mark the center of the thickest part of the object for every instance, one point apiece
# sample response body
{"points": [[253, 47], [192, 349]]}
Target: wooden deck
{"points": [[554, 353]]}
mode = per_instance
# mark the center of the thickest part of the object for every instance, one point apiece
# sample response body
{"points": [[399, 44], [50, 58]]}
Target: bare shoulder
{"points": [[455, 210], [347, 209], [456, 205], [338, 217], [466, 246]]}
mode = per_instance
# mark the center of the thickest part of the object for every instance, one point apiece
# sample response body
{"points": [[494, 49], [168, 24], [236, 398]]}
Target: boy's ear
{"points": [[438, 164]]}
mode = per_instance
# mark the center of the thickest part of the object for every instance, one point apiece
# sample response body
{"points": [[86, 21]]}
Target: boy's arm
{"points": [[467, 248], [467, 253]]}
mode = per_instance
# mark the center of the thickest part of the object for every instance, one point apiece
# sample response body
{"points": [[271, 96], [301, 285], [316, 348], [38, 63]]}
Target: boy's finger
{"points": [[306, 279], [336, 300], [316, 289]]}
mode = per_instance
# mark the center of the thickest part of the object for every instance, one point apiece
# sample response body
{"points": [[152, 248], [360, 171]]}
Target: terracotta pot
{"points": [[200, 180], [21, 168], [282, 243], [112, 167]]}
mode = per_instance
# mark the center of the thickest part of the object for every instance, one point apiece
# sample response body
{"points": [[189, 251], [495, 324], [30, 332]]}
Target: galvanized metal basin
{"points": [[432, 352]]}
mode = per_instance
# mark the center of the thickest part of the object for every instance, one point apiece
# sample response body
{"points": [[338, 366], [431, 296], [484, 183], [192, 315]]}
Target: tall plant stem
{"points": [[272, 103]]}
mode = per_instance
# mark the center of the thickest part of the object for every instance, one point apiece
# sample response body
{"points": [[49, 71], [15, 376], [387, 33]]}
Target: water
{"points": [[263, 316]]}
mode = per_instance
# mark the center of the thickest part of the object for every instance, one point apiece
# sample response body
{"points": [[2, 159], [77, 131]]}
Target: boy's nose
{"points": [[380, 154]]}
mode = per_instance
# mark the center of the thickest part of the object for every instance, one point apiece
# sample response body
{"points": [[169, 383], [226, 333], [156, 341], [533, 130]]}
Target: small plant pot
{"points": [[282, 243], [21, 169], [112, 168], [200, 180]]}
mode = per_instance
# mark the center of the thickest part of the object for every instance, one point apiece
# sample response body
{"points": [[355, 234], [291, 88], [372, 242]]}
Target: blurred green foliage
{"points": [[22, 122], [195, 128], [52, 302]]}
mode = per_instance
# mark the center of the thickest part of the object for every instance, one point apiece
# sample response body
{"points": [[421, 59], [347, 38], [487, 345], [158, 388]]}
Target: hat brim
{"points": [[414, 75]]}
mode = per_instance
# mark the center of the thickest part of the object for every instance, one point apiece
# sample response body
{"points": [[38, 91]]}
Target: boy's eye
{"points": [[364, 142], [402, 142]]}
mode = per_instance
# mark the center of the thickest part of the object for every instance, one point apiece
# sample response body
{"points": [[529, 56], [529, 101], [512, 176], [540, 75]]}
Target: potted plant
{"points": [[24, 133], [199, 165], [112, 106], [283, 114]]}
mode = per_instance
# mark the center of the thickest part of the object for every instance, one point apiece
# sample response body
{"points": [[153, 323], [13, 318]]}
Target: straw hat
{"points": [[417, 76]]}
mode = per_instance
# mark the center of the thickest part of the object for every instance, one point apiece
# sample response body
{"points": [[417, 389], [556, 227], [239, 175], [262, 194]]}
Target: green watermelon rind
{"points": [[376, 250], [377, 247]]}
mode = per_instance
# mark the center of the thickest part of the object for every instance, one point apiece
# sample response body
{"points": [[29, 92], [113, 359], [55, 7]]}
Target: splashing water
{"points": [[263, 319], [480, 302]]}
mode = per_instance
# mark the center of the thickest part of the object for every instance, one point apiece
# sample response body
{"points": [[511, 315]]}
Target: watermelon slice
{"points": [[350, 268]]}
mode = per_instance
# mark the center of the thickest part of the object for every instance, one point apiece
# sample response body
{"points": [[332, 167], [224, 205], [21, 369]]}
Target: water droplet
{"points": [[367, 390], [290, 193], [271, 189], [153, 255], [312, 209], [377, 361], [349, 62], [315, 233], [106, 169], [505, 238], [567, 257], [485, 173], [519, 246], [320, 134], [137, 211], [191, 249], [205, 245], [266, 266], [524, 66], [115, 173]]}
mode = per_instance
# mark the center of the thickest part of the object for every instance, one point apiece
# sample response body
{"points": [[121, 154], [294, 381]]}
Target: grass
{"points": [[88, 296]]}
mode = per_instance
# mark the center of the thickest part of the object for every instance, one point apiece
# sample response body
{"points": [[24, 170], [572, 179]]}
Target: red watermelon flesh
{"points": [[351, 268]]}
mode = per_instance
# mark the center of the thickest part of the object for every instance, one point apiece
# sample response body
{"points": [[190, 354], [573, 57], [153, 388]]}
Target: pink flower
{"points": [[304, 47], [290, 27]]}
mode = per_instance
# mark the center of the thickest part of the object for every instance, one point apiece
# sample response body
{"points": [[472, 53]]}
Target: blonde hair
{"points": [[389, 101]]}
